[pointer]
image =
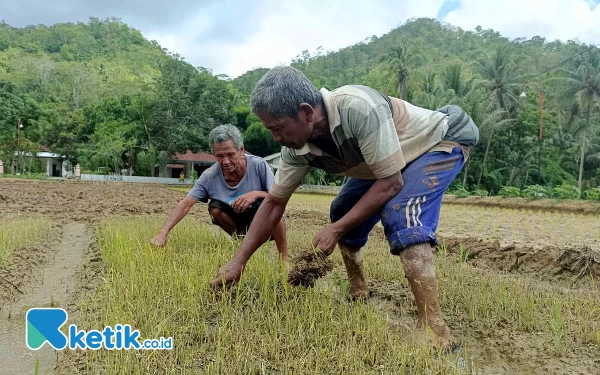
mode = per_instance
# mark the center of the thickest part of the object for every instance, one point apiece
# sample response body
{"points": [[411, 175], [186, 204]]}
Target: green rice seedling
{"points": [[557, 326], [463, 255]]}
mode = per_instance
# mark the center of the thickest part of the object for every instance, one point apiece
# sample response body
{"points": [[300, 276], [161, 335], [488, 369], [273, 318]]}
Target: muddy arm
{"points": [[266, 219], [374, 199]]}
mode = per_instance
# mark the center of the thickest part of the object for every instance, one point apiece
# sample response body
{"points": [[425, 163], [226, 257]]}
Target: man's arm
{"points": [[243, 201], [371, 203], [266, 219], [182, 209]]}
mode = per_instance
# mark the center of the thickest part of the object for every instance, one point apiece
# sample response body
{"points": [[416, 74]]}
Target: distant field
{"points": [[519, 289]]}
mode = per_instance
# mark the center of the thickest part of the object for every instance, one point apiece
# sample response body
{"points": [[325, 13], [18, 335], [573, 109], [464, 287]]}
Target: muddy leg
{"points": [[353, 261], [420, 272]]}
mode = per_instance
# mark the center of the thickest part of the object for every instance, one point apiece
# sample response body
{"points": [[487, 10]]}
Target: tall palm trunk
{"points": [[581, 160], [487, 150]]}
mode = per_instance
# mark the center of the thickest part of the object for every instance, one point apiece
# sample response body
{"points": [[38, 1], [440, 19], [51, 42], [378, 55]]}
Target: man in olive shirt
{"points": [[400, 159]]}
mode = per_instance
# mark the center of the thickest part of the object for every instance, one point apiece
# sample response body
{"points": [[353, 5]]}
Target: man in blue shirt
{"points": [[235, 185]]}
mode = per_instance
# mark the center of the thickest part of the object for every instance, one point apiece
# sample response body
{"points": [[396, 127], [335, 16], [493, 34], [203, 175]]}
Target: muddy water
{"points": [[59, 282]]}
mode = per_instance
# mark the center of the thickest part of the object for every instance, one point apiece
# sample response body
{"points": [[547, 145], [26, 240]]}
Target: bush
{"points": [[536, 192], [566, 192], [480, 193], [509, 192], [461, 193], [592, 194]]}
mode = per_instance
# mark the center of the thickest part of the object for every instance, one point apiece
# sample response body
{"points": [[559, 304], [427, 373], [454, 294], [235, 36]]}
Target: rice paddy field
{"points": [[519, 288]]}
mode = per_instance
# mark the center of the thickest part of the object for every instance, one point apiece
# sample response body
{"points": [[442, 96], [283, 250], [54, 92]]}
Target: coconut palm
{"points": [[397, 60], [582, 88], [499, 76]]}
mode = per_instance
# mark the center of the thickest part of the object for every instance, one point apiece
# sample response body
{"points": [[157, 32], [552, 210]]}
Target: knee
{"points": [[336, 210], [216, 215]]}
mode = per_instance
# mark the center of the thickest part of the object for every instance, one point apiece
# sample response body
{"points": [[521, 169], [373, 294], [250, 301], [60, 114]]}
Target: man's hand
{"points": [[327, 238], [243, 201], [159, 240], [229, 274]]}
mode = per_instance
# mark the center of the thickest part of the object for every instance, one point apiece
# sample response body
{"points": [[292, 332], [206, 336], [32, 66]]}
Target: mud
{"points": [[495, 350], [56, 289], [25, 266], [314, 217], [544, 205], [550, 263], [87, 201], [308, 266]]}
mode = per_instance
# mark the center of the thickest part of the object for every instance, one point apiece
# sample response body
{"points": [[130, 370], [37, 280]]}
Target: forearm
{"points": [[261, 194], [266, 219], [176, 215], [371, 203]]}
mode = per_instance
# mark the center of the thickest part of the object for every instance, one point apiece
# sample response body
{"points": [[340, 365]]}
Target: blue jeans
{"points": [[411, 217]]}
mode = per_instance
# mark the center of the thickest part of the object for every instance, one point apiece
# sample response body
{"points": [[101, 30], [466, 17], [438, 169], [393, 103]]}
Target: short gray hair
{"points": [[224, 132], [281, 91]]}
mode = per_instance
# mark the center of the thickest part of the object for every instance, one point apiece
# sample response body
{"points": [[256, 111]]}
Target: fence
{"points": [[142, 179]]}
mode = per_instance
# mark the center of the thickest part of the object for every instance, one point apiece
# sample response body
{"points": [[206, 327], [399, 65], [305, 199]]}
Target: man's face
{"points": [[228, 157], [291, 133]]}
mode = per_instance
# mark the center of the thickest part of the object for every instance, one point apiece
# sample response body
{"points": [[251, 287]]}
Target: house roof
{"points": [[190, 156], [197, 157], [175, 166]]}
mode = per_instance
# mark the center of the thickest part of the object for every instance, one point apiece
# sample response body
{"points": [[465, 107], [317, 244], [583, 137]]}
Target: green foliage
{"points": [[461, 193], [480, 193], [259, 141], [509, 192], [535, 192], [592, 194], [566, 192], [100, 94]]}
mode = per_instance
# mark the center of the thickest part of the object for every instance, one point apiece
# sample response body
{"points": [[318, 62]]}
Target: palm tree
{"points": [[453, 78], [583, 86], [494, 121], [498, 72], [397, 59]]}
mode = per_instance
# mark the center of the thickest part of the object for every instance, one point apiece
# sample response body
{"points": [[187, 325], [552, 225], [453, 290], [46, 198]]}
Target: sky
{"points": [[231, 37]]}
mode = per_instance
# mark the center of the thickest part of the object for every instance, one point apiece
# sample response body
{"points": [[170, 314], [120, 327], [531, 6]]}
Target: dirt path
{"points": [[59, 282]]}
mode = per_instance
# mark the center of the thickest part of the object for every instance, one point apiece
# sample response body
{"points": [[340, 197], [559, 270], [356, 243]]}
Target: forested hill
{"points": [[104, 96], [432, 64]]}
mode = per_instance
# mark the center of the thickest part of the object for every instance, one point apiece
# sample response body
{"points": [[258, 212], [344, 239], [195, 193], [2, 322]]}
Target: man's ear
{"points": [[307, 111], [242, 149]]}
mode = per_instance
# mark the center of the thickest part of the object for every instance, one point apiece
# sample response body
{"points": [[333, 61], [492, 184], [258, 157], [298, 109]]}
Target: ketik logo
{"points": [[43, 325]]}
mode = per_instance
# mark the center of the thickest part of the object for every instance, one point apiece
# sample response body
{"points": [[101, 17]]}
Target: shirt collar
{"points": [[333, 115]]}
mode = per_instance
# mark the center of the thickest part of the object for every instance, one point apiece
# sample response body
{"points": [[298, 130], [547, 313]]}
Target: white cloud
{"points": [[288, 28], [552, 19]]}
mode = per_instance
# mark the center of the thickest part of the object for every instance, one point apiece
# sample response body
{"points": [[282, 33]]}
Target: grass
{"points": [[266, 326], [19, 232], [262, 326], [27, 176]]}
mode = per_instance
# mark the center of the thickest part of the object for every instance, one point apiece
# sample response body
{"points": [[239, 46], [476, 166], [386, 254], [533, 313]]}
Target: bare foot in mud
{"points": [[436, 334], [353, 262], [358, 289]]}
